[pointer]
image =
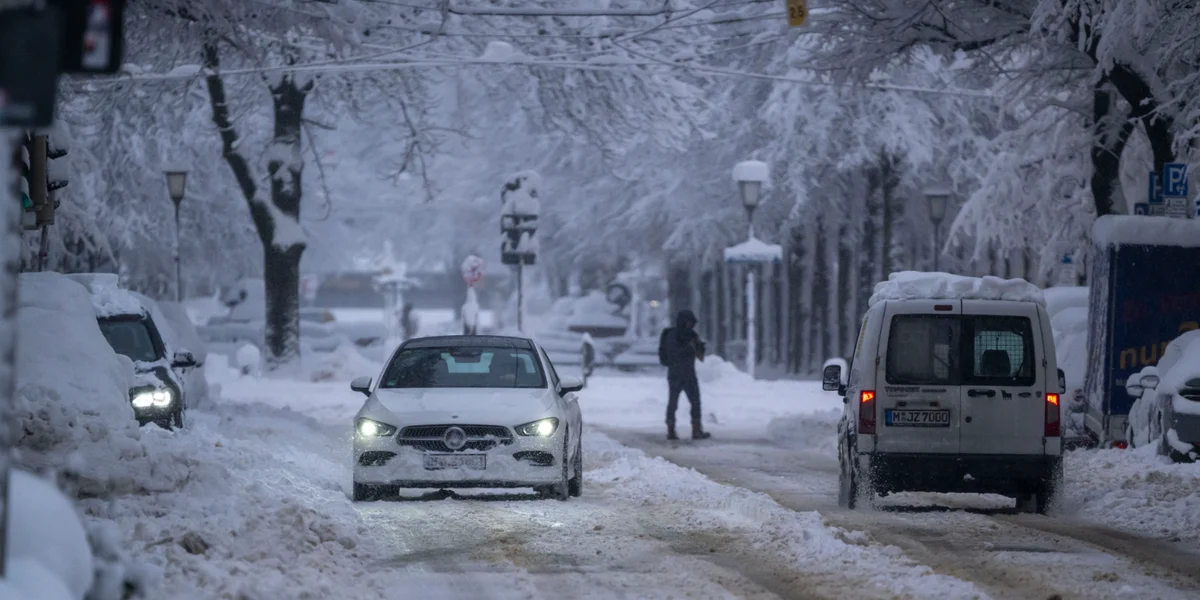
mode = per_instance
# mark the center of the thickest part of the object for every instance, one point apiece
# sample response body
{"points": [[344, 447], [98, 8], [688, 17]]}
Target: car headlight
{"points": [[160, 398], [369, 429], [541, 428]]}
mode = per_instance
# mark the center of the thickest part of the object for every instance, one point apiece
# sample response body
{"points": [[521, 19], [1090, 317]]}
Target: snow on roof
{"points": [[1115, 230], [754, 250], [108, 298], [751, 170], [914, 285]]}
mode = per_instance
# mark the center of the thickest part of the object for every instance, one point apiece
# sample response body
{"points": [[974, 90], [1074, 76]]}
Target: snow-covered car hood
{"points": [[490, 406]]}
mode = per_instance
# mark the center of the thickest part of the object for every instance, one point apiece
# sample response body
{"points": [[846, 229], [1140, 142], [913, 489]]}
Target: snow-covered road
{"points": [[748, 514]]}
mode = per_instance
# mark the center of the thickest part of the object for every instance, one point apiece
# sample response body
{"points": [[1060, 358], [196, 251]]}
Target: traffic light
{"points": [[32, 162], [40, 41]]}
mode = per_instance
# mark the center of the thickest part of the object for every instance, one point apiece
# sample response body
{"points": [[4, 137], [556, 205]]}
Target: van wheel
{"points": [[851, 492]]}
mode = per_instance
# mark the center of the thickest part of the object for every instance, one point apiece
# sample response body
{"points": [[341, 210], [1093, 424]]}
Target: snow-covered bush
{"points": [[344, 363]]}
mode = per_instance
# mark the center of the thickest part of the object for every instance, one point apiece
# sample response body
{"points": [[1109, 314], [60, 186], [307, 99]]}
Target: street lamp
{"points": [[176, 182], [750, 177], [938, 198]]}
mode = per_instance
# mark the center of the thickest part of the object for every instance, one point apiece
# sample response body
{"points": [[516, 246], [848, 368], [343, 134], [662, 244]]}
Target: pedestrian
{"points": [[679, 348]]}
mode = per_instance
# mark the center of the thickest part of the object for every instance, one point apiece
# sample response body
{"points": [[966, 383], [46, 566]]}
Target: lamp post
{"points": [[176, 181], [938, 198], [750, 177]]}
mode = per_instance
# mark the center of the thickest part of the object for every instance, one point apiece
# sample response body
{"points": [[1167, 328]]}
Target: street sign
{"points": [[1141, 208], [1158, 210], [472, 270], [1178, 208], [1154, 195], [797, 12], [1175, 180]]}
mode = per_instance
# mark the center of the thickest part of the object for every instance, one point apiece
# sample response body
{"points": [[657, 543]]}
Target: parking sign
{"points": [[1175, 182], [1154, 194]]}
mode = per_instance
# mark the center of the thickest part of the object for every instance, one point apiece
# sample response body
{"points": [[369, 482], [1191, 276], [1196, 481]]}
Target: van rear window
{"points": [[958, 350], [924, 350]]}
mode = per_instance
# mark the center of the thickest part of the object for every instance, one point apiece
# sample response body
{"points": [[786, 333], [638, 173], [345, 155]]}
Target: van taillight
{"points": [[866, 413], [1052, 416]]}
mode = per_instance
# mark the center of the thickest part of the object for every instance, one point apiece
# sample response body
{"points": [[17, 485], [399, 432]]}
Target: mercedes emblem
{"points": [[455, 438]]}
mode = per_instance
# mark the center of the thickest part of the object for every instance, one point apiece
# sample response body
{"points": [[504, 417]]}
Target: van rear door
{"points": [[1003, 379], [917, 392]]}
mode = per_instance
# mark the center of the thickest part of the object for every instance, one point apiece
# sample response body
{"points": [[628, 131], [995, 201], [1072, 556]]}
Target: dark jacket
{"points": [[680, 346]]}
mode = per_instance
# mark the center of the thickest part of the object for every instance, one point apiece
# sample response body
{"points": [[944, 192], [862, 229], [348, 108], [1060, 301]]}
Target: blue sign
{"points": [[1175, 181], [1068, 259], [1154, 195], [1142, 208]]}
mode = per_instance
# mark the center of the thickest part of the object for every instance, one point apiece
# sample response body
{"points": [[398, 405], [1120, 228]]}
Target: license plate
{"points": [[917, 418], [474, 462]]}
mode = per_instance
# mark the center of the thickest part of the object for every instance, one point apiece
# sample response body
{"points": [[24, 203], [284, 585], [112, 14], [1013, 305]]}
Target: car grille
{"points": [[430, 437]]}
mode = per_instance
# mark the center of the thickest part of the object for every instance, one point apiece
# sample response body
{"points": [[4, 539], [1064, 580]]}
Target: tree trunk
{"points": [[848, 315], [820, 295], [1110, 136], [1155, 118], [276, 220]]}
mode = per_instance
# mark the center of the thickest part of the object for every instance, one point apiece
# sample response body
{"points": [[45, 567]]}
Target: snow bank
{"points": [[1059, 299], [48, 553], [72, 389], [343, 364], [1115, 230], [914, 285], [810, 432], [1135, 490], [263, 512]]}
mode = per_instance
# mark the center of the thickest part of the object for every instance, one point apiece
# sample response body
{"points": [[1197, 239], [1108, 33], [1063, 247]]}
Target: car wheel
{"points": [[562, 490], [575, 485], [1047, 494], [177, 419], [848, 491]]}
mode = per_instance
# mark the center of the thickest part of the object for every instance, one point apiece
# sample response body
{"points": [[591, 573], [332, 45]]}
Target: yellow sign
{"points": [[797, 12]]}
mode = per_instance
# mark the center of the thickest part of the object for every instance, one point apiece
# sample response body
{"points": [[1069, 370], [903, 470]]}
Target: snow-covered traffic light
{"points": [[519, 219]]}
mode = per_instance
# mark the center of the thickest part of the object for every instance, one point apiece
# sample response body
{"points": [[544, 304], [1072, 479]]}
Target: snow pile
{"points": [[201, 310], [1135, 490], [248, 360], [914, 285], [107, 297], [811, 432], [1116, 230], [714, 368], [1180, 362], [263, 513], [48, 555], [72, 389], [343, 364], [497, 51], [590, 311]]}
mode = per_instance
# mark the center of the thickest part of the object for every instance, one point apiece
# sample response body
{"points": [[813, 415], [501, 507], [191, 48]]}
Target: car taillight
{"points": [[1052, 416], [866, 413]]}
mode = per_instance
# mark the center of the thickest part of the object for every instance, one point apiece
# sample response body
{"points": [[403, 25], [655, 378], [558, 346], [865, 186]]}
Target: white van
{"points": [[957, 391]]}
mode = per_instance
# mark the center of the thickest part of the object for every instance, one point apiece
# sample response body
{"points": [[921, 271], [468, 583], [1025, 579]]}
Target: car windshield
{"points": [[131, 337], [464, 367]]}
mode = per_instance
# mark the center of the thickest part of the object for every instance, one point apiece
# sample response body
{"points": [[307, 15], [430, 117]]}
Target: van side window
{"points": [[1001, 351], [923, 350]]}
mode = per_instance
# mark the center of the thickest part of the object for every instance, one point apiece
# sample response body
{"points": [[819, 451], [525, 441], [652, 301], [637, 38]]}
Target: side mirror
{"points": [[361, 385], [183, 360], [569, 385], [831, 378], [1149, 382], [1133, 385], [1062, 381]]}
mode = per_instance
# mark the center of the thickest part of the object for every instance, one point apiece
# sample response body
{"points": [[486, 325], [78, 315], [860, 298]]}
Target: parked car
{"points": [[468, 412], [183, 334], [135, 327], [1166, 412], [951, 394]]}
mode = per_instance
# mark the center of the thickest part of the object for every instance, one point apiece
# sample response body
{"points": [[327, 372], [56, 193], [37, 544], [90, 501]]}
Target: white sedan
{"points": [[468, 412]]}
